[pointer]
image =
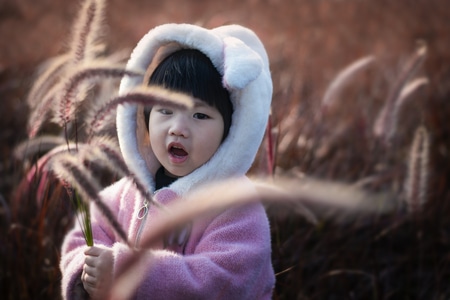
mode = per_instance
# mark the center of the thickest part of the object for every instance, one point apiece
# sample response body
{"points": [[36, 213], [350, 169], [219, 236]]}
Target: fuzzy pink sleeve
{"points": [[231, 259]]}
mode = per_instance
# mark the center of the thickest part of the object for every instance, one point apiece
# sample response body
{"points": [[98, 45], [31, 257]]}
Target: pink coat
{"points": [[227, 256]]}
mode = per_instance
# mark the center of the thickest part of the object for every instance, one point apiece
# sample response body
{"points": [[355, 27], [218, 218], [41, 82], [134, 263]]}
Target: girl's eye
{"points": [[165, 111], [200, 116]]}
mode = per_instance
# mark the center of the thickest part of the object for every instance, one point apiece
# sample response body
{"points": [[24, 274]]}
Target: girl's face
{"points": [[184, 139]]}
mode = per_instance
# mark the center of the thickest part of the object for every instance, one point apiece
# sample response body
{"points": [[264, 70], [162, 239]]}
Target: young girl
{"points": [[225, 256]]}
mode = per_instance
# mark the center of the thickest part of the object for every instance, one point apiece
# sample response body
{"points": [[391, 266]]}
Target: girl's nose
{"points": [[179, 127]]}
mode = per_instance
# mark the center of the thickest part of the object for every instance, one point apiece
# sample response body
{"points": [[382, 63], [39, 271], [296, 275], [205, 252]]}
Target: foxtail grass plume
{"points": [[87, 30], [31, 147], [61, 98], [106, 151], [47, 77], [404, 96], [342, 80], [387, 116], [416, 183], [91, 72], [67, 78]]}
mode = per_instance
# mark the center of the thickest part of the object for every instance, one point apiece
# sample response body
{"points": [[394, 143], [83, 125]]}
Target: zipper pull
{"points": [[143, 211]]}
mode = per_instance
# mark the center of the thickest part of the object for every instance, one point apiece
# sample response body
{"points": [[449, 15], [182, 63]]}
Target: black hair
{"points": [[190, 71]]}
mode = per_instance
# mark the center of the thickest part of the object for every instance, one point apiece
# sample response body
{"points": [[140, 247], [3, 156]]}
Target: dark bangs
{"points": [[191, 72]]}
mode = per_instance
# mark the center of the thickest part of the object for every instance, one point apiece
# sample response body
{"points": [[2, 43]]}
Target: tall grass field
{"points": [[354, 169]]}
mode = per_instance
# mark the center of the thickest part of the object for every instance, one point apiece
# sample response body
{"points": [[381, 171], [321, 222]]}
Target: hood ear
{"points": [[242, 65]]}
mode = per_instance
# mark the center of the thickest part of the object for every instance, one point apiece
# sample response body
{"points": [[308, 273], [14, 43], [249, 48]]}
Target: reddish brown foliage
{"points": [[309, 42]]}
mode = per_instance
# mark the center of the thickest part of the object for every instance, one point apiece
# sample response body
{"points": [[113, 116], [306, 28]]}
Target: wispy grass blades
{"points": [[67, 78], [60, 90], [296, 136], [31, 147], [70, 169], [90, 72], [144, 95], [63, 93], [316, 200], [86, 30], [416, 182], [84, 219], [299, 196], [69, 148], [82, 209], [409, 89], [56, 69], [68, 163], [106, 151], [103, 151], [291, 133], [341, 81], [405, 95], [388, 172], [387, 116], [295, 139], [61, 98], [50, 76], [39, 115]]}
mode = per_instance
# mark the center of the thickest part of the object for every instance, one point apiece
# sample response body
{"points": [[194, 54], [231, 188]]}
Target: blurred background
{"points": [[392, 256]]}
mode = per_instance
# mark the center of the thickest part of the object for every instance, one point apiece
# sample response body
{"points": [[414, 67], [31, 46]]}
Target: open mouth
{"points": [[177, 151]]}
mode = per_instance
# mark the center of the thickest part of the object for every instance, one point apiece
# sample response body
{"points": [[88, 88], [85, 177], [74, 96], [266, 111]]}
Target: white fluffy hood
{"points": [[241, 59]]}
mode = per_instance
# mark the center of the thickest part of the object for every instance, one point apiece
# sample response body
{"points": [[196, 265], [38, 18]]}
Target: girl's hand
{"points": [[97, 271]]}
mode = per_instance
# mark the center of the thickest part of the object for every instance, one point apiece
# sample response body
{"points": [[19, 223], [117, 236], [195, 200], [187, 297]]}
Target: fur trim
{"points": [[240, 58]]}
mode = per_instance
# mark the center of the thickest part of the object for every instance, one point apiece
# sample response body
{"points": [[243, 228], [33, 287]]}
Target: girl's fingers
{"points": [[92, 285], [88, 280], [97, 269], [90, 261], [90, 271], [93, 251]]}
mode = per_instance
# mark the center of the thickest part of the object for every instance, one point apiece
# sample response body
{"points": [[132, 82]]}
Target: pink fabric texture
{"points": [[227, 256]]}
